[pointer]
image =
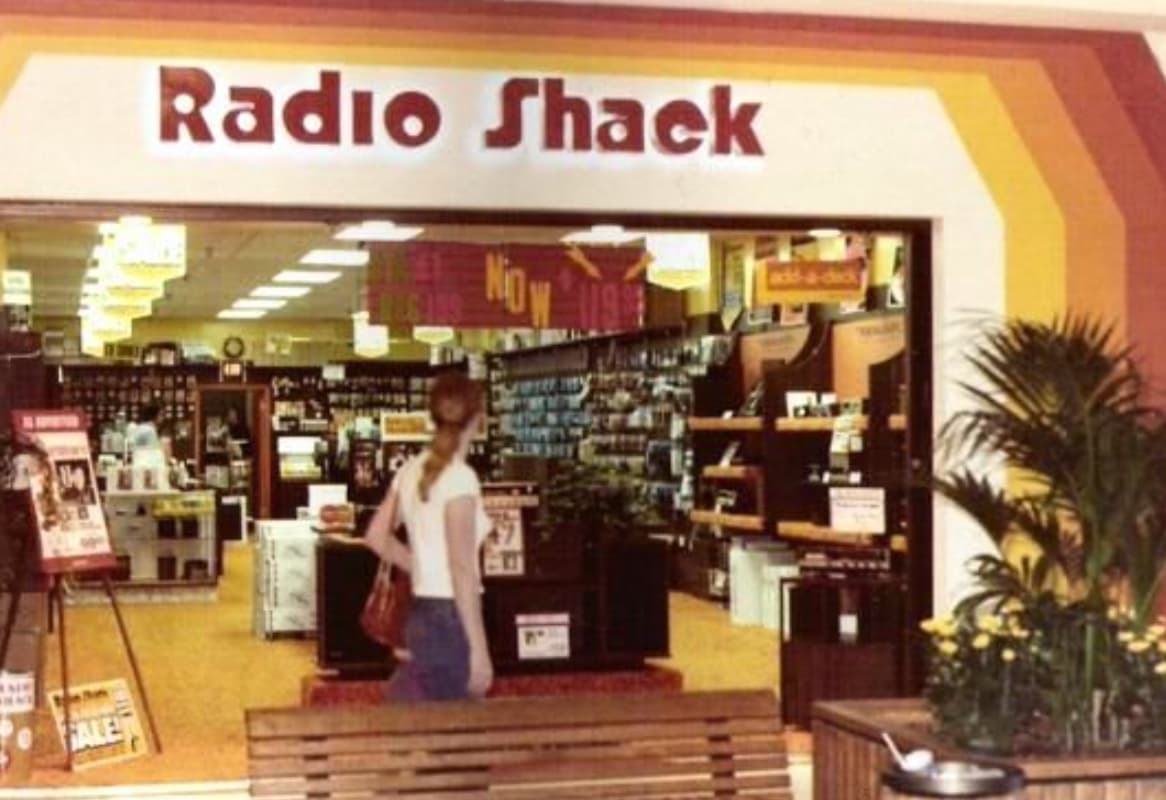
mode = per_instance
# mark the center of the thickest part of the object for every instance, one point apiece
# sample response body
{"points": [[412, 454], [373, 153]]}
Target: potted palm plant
{"points": [[1055, 662]]}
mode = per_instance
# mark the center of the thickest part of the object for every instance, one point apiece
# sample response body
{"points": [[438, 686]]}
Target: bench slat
{"points": [[667, 779], [514, 712], [384, 761], [403, 742], [677, 789], [578, 771]]}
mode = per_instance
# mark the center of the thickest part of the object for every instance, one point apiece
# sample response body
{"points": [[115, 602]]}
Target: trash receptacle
{"points": [[954, 779]]}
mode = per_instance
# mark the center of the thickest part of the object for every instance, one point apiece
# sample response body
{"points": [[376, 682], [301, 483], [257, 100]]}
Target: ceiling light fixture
{"points": [[253, 303], [312, 277], [287, 292], [330, 257], [602, 234], [241, 313], [374, 230], [433, 334], [824, 233]]}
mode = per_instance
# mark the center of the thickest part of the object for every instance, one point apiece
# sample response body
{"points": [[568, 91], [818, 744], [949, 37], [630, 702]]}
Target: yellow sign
{"points": [[104, 722], [798, 282], [406, 426]]}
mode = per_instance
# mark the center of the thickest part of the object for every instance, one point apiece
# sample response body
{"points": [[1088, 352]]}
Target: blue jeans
{"points": [[440, 664]]}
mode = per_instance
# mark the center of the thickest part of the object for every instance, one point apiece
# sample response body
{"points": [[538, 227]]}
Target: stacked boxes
{"points": [[285, 578]]}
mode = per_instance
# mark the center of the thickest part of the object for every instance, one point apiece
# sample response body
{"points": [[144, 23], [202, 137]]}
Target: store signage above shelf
{"points": [[506, 286], [797, 282], [201, 106]]}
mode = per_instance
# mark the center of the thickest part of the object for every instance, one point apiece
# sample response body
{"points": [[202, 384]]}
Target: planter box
{"points": [[849, 757]]}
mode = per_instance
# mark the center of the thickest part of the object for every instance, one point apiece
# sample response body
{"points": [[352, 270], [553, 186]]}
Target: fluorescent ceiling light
{"points": [[306, 276], [328, 257], [378, 231], [241, 313], [602, 234], [824, 233], [281, 291], [253, 303]]}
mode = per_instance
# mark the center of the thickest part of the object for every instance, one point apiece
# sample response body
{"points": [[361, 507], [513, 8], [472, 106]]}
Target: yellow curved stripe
{"points": [[1036, 276]]}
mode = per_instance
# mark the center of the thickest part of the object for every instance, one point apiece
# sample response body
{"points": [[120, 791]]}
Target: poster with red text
{"points": [[506, 286], [67, 508]]}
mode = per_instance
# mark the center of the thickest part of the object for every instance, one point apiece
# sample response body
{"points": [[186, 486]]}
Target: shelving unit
{"points": [[725, 424], [740, 522], [859, 423], [740, 472]]}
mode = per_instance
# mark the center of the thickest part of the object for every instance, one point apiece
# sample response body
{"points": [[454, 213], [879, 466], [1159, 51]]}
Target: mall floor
{"points": [[203, 665]]}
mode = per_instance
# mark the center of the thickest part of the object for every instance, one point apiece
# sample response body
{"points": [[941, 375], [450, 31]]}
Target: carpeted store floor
{"points": [[203, 666]]}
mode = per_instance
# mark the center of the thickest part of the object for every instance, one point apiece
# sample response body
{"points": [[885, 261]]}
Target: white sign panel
{"points": [[543, 636], [854, 510]]}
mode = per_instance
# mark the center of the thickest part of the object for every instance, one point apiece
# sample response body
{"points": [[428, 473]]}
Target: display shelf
{"points": [[725, 424], [744, 522], [741, 472], [811, 532], [817, 424]]}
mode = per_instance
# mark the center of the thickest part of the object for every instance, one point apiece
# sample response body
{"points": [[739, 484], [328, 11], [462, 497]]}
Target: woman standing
{"points": [[438, 498]]}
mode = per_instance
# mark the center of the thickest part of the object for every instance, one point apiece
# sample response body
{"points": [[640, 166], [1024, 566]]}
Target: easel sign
{"points": [[73, 538], [104, 725], [69, 520]]}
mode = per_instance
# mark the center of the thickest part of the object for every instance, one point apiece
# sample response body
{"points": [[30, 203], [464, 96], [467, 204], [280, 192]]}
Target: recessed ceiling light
{"points": [[241, 313], [306, 276], [602, 234], [328, 257], [378, 231], [824, 233], [281, 291], [252, 302]]}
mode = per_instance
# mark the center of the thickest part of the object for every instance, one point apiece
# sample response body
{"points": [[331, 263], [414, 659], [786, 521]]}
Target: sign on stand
{"points": [[69, 519], [104, 725]]}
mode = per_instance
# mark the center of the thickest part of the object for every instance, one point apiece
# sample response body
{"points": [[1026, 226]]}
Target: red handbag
{"points": [[386, 611]]}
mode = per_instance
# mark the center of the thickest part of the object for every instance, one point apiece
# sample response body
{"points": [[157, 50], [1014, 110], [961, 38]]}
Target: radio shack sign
{"points": [[198, 108]]}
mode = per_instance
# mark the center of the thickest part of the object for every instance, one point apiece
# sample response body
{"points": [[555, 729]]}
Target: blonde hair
{"points": [[454, 403]]}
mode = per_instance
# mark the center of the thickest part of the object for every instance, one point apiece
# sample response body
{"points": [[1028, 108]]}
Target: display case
{"points": [[163, 540], [285, 578]]}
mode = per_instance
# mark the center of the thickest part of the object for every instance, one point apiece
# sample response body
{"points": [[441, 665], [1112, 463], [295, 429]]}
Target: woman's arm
{"points": [[379, 537], [462, 546]]}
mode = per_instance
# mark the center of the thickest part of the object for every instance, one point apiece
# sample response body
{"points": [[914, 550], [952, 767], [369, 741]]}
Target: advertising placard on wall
{"points": [[69, 518], [105, 725]]}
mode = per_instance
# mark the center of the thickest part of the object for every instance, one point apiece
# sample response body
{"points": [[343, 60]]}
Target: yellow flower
{"points": [[981, 641], [990, 623], [948, 647], [1125, 637], [929, 625], [1162, 647], [1112, 613], [1138, 646], [1156, 632], [1160, 668], [1014, 606], [1008, 654]]}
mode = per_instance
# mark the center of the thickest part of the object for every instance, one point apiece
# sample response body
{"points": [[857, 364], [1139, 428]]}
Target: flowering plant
{"points": [[1056, 648]]}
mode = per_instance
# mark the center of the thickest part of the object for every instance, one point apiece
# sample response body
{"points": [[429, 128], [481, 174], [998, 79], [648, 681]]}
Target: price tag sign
{"points": [[858, 510], [543, 636]]}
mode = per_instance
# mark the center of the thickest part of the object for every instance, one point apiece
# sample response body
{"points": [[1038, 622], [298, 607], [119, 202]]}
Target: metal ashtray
{"points": [[956, 779]]}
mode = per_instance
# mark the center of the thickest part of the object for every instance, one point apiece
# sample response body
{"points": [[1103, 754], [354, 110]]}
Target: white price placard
{"points": [[858, 510], [543, 636]]}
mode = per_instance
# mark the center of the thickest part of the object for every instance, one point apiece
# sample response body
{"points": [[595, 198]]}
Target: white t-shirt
{"points": [[425, 521]]}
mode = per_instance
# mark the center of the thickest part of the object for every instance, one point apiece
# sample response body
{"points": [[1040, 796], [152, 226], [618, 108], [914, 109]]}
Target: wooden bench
{"points": [[682, 745]]}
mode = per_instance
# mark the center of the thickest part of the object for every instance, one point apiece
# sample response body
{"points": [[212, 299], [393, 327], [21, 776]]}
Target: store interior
{"points": [[709, 488]]}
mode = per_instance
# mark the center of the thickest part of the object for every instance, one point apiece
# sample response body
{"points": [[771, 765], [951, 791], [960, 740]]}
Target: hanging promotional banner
{"points": [[67, 508], [104, 722], [797, 282], [506, 286]]}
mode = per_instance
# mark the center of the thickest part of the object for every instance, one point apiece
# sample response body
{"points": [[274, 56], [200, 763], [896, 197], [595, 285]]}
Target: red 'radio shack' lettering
{"points": [[310, 116], [194, 109]]}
